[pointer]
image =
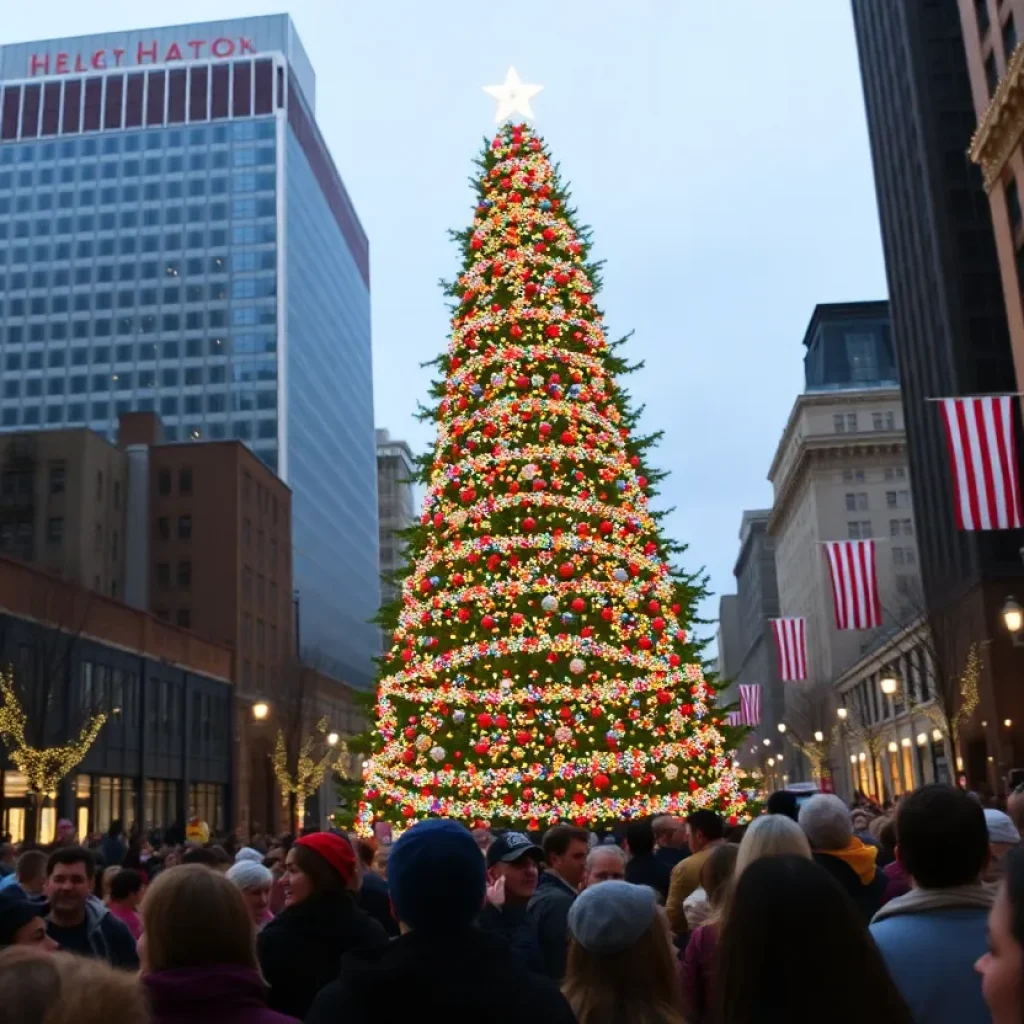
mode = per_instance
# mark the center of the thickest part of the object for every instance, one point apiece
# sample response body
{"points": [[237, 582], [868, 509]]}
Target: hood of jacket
{"points": [[926, 901], [421, 962], [327, 916], [203, 991], [859, 856]]}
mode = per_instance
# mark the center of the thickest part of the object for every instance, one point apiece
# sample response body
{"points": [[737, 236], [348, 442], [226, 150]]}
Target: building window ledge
{"points": [[1000, 127]]}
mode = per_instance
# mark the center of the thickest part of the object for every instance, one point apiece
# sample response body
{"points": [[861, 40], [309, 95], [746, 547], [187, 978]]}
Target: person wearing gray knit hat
{"points": [[611, 917], [248, 853], [255, 881], [622, 964]]}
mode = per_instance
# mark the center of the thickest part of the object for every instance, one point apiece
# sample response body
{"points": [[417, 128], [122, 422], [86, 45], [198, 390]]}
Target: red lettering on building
{"points": [[143, 51]]}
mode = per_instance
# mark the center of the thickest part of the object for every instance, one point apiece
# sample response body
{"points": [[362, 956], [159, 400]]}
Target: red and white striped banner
{"points": [[983, 461], [733, 718], [750, 704], [791, 646], [854, 583]]}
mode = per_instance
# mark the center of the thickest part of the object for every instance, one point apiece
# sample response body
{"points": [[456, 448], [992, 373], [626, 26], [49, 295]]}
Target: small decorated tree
{"points": [[540, 666]]}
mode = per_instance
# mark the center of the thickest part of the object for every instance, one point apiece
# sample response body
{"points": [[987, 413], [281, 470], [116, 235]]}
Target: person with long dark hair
{"points": [[793, 948], [300, 950], [1002, 967]]}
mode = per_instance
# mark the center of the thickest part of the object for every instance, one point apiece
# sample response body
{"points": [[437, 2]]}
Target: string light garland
{"points": [[540, 668], [43, 767], [310, 767]]}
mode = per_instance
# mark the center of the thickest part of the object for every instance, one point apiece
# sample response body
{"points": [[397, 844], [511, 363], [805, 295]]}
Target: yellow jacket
{"points": [[685, 878]]}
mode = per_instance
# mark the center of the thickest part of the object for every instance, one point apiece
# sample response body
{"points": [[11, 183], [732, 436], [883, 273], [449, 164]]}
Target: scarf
{"points": [[859, 856], [924, 901]]}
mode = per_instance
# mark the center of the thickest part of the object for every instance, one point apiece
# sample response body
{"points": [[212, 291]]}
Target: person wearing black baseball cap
{"points": [[21, 921], [513, 870]]}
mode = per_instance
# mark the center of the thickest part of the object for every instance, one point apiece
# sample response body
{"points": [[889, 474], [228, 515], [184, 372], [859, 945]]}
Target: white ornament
{"points": [[563, 734], [528, 472], [513, 96], [671, 771], [549, 603], [459, 716], [577, 665], [423, 743], [437, 753], [621, 575], [537, 380]]}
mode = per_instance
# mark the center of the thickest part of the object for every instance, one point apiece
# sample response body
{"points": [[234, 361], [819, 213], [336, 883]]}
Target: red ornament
{"points": [[645, 643], [487, 622], [664, 696], [606, 527], [529, 523], [607, 614], [568, 437], [693, 786], [407, 811], [516, 331], [545, 429], [578, 604], [579, 799], [516, 619], [582, 529], [673, 660], [601, 781], [467, 494], [522, 738], [565, 570], [484, 719], [407, 654], [549, 234], [409, 755], [482, 747], [551, 331], [522, 382], [653, 606], [658, 624], [565, 714]]}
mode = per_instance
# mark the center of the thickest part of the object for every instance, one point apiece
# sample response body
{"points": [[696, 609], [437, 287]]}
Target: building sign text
{"points": [[150, 52]]}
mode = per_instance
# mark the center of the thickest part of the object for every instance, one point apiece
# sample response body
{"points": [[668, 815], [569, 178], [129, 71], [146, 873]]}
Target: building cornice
{"points": [[831, 448], [1000, 127]]}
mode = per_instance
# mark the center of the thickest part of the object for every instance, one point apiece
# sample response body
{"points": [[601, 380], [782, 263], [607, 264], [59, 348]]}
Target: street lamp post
{"points": [[260, 710]]}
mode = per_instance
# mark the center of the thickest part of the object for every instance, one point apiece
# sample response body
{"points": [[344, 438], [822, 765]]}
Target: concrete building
{"points": [[396, 504], [165, 751], [178, 240], [727, 637], [63, 497], [758, 599], [841, 472], [949, 317], [995, 64]]}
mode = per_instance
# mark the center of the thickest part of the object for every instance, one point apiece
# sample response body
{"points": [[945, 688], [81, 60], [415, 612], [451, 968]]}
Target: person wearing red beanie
{"points": [[301, 949]]}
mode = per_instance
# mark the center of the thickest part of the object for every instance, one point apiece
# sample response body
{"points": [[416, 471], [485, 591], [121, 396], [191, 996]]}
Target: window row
{"points": [[849, 423], [102, 412], [202, 92], [84, 248], [145, 351]]}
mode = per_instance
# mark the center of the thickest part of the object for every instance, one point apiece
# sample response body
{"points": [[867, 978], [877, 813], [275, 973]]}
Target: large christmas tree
{"points": [[540, 667]]}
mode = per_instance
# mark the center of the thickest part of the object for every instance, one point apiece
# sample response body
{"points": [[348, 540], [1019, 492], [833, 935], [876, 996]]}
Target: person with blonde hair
{"points": [[198, 952], [621, 962], [57, 988], [770, 836]]}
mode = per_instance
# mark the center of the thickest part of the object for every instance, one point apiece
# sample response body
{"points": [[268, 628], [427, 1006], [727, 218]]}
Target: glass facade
{"points": [[850, 346], [148, 219]]}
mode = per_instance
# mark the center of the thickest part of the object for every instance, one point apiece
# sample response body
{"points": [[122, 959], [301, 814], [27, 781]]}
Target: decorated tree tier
{"points": [[540, 668]]}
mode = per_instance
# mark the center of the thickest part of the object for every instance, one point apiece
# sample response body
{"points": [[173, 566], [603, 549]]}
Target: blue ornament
{"points": [[435, 580], [620, 484], [568, 618], [545, 204], [475, 389], [624, 617]]}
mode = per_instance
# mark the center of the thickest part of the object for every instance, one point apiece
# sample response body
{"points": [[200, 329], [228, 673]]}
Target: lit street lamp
{"points": [[332, 739], [782, 726], [260, 710], [889, 683], [1013, 615], [819, 736], [842, 713]]}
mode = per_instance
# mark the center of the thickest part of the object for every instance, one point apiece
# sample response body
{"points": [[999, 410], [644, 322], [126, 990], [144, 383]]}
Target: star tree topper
{"points": [[513, 96]]}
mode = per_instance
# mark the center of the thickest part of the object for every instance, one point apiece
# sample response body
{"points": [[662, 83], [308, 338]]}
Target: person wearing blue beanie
{"points": [[438, 883]]}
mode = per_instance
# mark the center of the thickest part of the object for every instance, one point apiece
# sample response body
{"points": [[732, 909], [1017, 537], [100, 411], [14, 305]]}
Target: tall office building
{"points": [[948, 316], [396, 503], [175, 238]]}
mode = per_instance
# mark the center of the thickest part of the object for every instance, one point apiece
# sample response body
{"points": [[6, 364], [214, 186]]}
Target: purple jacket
{"points": [[222, 994], [698, 974]]}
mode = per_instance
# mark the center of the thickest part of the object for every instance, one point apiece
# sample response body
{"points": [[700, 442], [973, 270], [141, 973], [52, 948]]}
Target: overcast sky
{"points": [[718, 150]]}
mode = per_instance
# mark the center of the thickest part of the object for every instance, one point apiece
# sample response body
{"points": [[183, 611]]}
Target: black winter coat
{"points": [[458, 979], [867, 898], [518, 930], [549, 909], [300, 951]]}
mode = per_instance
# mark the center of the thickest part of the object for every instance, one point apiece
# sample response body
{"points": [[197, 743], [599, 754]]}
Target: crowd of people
{"points": [[809, 913]]}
